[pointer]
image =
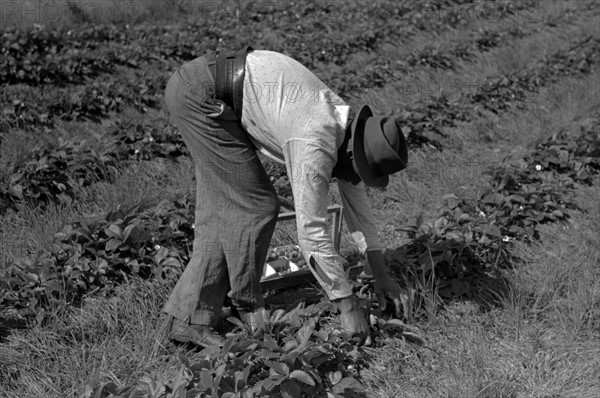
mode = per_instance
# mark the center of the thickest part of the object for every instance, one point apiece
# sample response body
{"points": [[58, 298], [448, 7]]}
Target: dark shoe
{"points": [[201, 335]]}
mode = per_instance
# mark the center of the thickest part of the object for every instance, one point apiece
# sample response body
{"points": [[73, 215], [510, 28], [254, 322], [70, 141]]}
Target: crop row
{"points": [[26, 108], [41, 57], [56, 173], [499, 93], [65, 56]]}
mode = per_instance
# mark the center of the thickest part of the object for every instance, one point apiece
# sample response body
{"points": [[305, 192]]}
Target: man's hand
{"points": [[354, 320], [386, 286]]}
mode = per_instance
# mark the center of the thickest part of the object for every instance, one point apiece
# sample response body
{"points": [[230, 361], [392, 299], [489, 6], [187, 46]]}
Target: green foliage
{"points": [[135, 141], [40, 56], [95, 256], [474, 231], [55, 173], [274, 354], [576, 160]]}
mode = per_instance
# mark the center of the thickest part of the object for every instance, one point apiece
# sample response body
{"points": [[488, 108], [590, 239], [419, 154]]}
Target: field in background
{"points": [[499, 100], [73, 13]]}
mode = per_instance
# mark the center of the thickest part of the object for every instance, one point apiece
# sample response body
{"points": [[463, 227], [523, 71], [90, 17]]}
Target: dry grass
{"points": [[119, 339], [543, 340]]}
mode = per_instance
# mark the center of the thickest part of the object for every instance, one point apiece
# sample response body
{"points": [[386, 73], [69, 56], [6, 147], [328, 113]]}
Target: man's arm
{"points": [[359, 217], [359, 214], [309, 165]]}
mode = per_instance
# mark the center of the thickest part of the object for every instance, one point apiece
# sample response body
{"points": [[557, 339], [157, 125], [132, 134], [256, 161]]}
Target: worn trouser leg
{"points": [[236, 204]]}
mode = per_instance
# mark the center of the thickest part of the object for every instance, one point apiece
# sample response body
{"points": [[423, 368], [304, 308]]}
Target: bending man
{"points": [[227, 109]]}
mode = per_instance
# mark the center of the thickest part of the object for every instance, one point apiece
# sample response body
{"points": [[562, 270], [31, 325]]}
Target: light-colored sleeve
{"points": [[358, 212], [309, 165]]}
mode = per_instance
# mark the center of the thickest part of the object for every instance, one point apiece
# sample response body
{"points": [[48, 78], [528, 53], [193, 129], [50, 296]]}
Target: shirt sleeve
{"points": [[358, 212], [309, 165]]}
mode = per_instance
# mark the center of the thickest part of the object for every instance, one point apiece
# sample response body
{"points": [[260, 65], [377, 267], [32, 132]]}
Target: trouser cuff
{"points": [[198, 317]]}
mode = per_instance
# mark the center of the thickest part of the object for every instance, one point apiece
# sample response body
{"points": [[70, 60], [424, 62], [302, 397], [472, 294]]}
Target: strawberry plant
{"points": [[94, 256], [578, 160], [39, 56], [473, 231], [279, 354], [56, 174], [145, 142], [272, 354]]}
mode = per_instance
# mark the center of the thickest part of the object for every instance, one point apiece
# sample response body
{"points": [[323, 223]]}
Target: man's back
{"points": [[284, 101]]}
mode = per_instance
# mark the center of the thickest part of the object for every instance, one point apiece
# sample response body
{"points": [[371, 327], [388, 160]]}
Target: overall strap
{"points": [[229, 70]]}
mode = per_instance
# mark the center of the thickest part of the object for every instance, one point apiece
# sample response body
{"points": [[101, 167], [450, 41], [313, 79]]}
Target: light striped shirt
{"points": [[295, 119]]}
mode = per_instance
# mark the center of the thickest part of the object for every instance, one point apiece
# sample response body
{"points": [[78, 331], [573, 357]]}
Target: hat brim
{"points": [[366, 174]]}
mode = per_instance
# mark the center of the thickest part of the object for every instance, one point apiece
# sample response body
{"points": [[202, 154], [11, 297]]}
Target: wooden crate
{"points": [[304, 276]]}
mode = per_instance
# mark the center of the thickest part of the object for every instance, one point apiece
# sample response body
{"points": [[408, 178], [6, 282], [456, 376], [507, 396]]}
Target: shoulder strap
{"points": [[229, 78]]}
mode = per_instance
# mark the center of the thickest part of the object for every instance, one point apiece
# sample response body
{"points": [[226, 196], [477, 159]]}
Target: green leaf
{"points": [[114, 231], [238, 323], [395, 323], [246, 373], [206, 380], [61, 236], [491, 230], [276, 315], [132, 233], [348, 383], [419, 221], [227, 346], [172, 262], [278, 367], [305, 331], [290, 389], [334, 377], [268, 384], [181, 380], [198, 365], [227, 385], [303, 377], [290, 345], [267, 354], [112, 245]]}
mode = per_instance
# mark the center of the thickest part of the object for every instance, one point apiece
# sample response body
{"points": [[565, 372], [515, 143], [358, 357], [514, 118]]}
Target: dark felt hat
{"points": [[379, 148]]}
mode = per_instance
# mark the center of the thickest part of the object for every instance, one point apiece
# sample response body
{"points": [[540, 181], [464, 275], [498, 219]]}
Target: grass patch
{"points": [[543, 341], [115, 339]]}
